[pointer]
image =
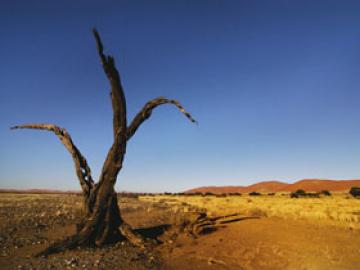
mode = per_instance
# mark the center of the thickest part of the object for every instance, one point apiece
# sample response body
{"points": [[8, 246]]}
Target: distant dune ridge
{"points": [[315, 185]]}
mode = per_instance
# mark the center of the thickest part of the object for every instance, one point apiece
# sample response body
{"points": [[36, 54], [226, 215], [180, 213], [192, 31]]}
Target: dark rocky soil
{"points": [[28, 223]]}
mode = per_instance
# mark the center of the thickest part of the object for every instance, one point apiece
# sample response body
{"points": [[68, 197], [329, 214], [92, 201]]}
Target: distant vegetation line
{"points": [[314, 185]]}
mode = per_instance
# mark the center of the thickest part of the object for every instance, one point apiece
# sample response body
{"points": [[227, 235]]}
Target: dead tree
{"points": [[102, 222]]}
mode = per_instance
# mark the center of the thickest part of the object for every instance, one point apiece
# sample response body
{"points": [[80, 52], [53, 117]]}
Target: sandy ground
{"points": [[28, 224], [267, 243]]}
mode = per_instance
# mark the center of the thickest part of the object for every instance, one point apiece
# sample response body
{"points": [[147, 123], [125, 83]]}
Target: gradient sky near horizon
{"points": [[274, 85]]}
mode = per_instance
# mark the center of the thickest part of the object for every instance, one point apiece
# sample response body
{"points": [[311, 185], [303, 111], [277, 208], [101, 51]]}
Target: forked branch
{"points": [[83, 171], [117, 92], [146, 111], [115, 156]]}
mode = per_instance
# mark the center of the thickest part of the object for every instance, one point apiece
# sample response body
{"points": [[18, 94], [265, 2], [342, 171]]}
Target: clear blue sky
{"points": [[275, 86]]}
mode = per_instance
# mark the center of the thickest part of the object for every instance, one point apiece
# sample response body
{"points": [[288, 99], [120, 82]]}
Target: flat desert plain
{"points": [[256, 232]]}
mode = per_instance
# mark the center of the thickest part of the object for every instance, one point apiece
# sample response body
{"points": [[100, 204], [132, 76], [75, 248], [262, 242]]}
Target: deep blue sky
{"points": [[273, 84]]}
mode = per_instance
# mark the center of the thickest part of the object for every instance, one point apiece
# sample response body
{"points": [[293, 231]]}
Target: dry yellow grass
{"points": [[338, 210]]}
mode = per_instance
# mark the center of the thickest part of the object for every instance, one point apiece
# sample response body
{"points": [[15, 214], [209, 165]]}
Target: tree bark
{"points": [[82, 169], [102, 222]]}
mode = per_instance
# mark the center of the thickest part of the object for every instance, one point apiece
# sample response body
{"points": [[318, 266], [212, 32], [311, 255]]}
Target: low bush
{"points": [[325, 193], [235, 194], [355, 191]]}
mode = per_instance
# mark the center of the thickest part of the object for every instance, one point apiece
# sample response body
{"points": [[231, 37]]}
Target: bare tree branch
{"points": [[115, 156], [82, 169], [117, 92], [146, 111]]}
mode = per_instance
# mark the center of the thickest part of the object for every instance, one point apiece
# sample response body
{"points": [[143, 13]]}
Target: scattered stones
{"points": [[73, 262], [30, 224]]}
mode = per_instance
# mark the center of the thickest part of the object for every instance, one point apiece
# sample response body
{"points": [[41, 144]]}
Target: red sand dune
{"points": [[277, 186]]}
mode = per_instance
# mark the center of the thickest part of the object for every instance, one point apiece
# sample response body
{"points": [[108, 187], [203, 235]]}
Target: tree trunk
{"points": [[102, 222], [109, 218]]}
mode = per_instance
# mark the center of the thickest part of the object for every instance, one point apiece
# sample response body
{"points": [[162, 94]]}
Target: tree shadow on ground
{"points": [[238, 219], [153, 232], [221, 222]]}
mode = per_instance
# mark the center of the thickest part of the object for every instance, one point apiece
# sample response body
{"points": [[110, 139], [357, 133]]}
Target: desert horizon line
{"points": [[190, 189]]}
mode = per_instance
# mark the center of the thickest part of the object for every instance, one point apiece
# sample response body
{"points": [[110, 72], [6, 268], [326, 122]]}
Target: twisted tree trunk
{"points": [[102, 222]]}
